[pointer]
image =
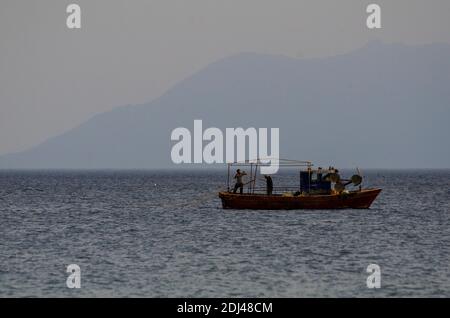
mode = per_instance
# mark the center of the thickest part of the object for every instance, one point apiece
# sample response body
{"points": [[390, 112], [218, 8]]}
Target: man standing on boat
{"points": [[269, 184], [239, 183]]}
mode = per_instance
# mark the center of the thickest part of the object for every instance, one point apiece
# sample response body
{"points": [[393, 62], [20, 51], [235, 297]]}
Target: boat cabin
{"points": [[314, 182]]}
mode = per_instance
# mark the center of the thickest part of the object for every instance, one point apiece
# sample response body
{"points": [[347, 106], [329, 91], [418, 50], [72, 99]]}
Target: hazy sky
{"points": [[127, 52]]}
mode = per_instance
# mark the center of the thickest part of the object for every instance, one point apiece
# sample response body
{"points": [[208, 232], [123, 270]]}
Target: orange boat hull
{"points": [[352, 200]]}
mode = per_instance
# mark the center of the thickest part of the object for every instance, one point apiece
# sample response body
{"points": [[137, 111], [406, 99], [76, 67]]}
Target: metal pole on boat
{"points": [[254, 179], [309, 179], [300, 180], [228, 178], [251, 176]]}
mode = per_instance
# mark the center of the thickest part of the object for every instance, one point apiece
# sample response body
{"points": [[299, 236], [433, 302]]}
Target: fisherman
{"points": [[239, 183], [319, 174], [269, 184]]}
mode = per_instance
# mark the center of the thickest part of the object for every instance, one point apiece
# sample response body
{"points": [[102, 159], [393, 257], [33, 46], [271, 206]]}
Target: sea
{"points": [[164, 233]]}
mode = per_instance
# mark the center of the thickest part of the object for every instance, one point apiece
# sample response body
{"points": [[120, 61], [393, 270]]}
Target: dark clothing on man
{"points": [[239, 186], [239, 183], [269, 185]]}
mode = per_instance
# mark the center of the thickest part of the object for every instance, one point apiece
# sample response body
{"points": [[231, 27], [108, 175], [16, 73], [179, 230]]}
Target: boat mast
{"points": [[254, 179], [251, 176], [228, 178]]}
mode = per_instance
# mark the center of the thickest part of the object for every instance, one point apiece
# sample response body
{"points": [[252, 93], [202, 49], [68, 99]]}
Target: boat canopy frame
{"points": [[266, 162]]}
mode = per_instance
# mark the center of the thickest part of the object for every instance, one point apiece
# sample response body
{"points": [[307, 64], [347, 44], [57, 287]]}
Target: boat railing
{"points": [[256, 164], [275, 190]]}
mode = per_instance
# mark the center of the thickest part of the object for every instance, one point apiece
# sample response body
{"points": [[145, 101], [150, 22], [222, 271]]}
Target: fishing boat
{"points": [[315, 189]]}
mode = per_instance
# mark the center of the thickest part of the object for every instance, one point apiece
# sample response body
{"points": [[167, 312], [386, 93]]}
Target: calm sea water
{"points": [[164, 234]]}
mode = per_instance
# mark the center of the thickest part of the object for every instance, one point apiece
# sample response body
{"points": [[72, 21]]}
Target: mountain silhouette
{"points": [[381, 106]]}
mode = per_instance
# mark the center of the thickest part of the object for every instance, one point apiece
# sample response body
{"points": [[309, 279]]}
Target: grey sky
{"points": [[128, 52]]}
